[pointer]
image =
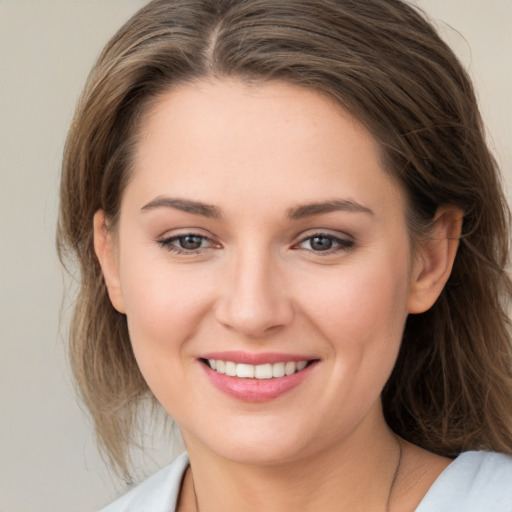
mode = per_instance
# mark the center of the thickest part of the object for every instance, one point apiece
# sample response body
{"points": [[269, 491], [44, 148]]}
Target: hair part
{"points": [[381, 60]]}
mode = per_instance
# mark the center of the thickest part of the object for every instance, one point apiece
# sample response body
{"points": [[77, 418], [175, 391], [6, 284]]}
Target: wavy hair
{"points": [[382, 60]]}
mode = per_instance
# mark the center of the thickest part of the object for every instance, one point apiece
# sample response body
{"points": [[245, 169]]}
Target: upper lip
{"points": [[255, 359]]}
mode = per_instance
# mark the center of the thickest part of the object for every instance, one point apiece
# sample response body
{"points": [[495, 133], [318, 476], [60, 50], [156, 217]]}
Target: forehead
{"points": [[268, 142]]}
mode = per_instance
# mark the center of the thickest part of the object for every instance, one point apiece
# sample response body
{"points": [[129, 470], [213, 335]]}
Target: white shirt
{"points": [[473, 482]]}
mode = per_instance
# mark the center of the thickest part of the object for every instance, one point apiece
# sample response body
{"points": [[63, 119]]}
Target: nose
{"points": [[253, 301]]}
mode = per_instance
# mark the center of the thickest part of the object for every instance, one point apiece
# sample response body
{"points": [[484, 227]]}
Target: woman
{"points": [[293, 237]]}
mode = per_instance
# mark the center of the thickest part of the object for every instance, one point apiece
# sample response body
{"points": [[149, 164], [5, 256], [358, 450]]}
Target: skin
{"points": [[257, 284]]}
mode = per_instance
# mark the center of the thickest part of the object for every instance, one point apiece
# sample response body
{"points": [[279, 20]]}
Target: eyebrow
{"points": [[296, 213], [312, 209], [185, 205]]}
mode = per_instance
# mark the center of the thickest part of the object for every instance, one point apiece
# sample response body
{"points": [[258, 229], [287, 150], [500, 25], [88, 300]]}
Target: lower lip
{"points": [[257, 390]]}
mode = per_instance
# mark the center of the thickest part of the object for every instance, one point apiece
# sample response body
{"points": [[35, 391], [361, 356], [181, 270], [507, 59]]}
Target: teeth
{"points": [[230, 369], [301, 365], [263, 371], [278, 370], [259, 371], [290, 368], [245, 371]]}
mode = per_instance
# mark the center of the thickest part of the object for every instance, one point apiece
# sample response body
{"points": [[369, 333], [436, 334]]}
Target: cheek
{"points": [[361, 313], [359, 300], [164, 307]]}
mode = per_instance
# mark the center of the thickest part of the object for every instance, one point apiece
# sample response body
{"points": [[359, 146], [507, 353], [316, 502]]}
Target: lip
{"points": [[255, 359], [256, 390]]}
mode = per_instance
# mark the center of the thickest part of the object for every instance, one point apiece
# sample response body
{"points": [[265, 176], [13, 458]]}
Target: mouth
{"points": [[270, 377], [258, 371]]}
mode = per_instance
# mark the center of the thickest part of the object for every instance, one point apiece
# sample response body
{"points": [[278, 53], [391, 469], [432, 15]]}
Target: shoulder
{"points": [[473, 482], [159, 493]]}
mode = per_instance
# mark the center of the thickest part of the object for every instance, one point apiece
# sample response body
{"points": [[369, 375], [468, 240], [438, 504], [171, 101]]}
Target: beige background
{"points": [[48, 460]]}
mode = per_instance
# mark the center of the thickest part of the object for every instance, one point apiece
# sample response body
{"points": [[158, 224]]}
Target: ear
{"points": [[434, 259], [104, 247]]}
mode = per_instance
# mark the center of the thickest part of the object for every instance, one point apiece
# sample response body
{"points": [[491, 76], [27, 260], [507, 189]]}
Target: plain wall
{"points": [[48, 459]]}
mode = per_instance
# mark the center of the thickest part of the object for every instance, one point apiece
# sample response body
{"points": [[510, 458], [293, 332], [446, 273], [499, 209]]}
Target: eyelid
{"points": [[344, 242], [166, 242]]}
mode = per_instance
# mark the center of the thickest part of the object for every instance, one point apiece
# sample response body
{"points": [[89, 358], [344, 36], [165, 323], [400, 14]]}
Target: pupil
{"points": [[321, 243], [190, 242]]}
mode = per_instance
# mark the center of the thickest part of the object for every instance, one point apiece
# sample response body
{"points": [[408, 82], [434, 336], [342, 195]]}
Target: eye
{"points": [[326, 243], [187, 243]]}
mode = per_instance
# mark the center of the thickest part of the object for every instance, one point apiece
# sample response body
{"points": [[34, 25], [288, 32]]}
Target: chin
{"points": [[257, 441]]}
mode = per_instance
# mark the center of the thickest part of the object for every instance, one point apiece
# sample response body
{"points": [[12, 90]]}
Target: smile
{"points": [[256, 378], [259, 371]]}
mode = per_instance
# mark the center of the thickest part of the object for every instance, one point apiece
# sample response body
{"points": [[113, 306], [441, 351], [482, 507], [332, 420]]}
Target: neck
{"points": [[357, 474]]}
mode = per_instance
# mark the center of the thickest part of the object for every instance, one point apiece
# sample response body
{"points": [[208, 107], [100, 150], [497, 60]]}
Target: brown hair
{"points": [[451, 389]]}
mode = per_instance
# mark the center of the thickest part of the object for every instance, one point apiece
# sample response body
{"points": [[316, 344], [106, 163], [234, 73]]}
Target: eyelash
{"points": [[341, 244], [167, 243]]}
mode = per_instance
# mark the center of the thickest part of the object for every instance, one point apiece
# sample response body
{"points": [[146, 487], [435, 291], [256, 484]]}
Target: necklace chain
{"points": [[395, 475], [391, 487]]}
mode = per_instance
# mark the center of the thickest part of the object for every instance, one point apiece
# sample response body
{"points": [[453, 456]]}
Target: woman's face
{"points": [[259, 231]]}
